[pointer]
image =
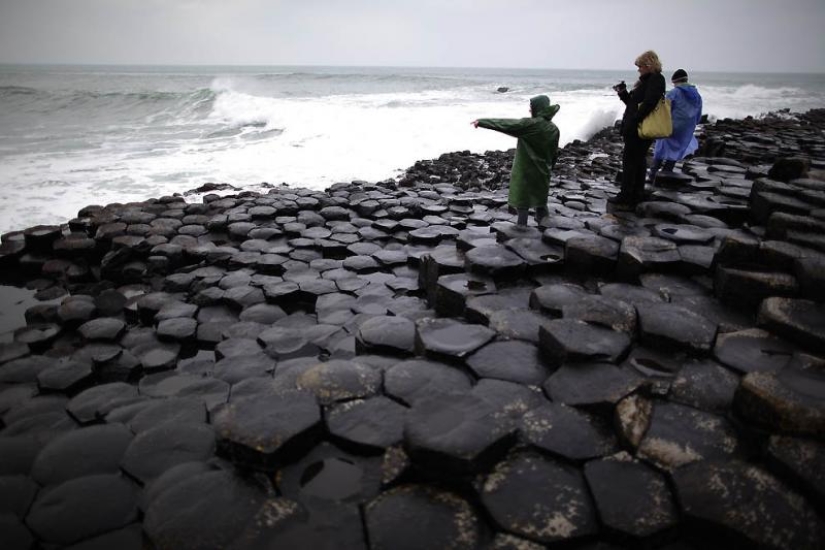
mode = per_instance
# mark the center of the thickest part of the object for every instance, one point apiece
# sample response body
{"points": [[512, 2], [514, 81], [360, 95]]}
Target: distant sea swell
{"points": [[72, 136]]}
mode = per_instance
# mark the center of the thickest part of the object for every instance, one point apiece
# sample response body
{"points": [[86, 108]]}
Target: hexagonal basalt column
{"points": [[261, 429], [496, 262], [632, 497], [384, 334], [712, 496], [680, 435], [565, 340], [539, 499], [395, 518], [456, 433], [447, 339]]}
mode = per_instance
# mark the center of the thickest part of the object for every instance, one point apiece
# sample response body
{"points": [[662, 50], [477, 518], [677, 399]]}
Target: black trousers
{"points": [[634, 168]]}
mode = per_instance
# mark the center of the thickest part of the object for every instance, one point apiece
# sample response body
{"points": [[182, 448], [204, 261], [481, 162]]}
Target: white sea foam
{"points": [[306, 128]]}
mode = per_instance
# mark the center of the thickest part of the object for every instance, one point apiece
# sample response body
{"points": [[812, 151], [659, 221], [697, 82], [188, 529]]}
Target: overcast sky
{"points": [[714, 35]]}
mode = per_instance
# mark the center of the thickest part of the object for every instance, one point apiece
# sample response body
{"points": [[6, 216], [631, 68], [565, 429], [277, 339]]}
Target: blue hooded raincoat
{"points": [[686, 111]]}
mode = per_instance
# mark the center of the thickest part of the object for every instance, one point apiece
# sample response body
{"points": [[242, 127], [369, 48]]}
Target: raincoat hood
{"points": [[540, 107], [690, 93]]}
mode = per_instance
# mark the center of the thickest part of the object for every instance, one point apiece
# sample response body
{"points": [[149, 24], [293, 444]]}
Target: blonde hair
{"points": [[650, 59]]}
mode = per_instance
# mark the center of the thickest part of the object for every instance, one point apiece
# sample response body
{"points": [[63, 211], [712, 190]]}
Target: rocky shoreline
{"points": [[394, 365]]}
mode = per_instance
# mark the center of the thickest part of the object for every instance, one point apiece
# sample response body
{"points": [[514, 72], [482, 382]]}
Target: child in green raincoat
{"points": [[536, 154]]}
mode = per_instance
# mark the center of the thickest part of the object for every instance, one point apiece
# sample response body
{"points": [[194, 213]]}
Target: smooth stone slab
{"points": [[514, 361], [538, 498], [16, 495], [155, 450], [495, 261], [632, 498], [566, 432], [83, 507], [631, 294], [567, 340], [791, 401], [386, 334], [83, 452], [680, 435], [517, 324], [237, 368], [262, 313], [800, 460], [177, 330], [181, 410], [704, 385], [204, 510], [94, 403], [374, 423], [260, 429], [671, 327], [449, 339], [747, 286], [25, 370], [479, 309], [394, 519], [711, 495], [551, 299], [591, 384], [603, 311], [590, 255], [415, 379], [683, 233], [456, 433], [540, 257], [643, 254], [450, 293], [339, 380], [752, 350], [104, 328], [800, 321]]}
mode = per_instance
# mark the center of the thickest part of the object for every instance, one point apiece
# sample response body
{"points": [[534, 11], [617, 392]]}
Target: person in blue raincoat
{"points": [[686, 111]]}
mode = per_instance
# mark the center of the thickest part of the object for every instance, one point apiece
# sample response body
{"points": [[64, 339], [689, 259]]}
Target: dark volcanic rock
{"points": [[752, 350], [383, 334], [456, 433], [680, 435], [412, 380], [565, 432], [712, 496], [800, 321], [591, 384], [374, 423], [260, 429], [566, 340], [83, 507], [449, 339], [791, 401], [632, 498], [155, 450], [514, 361], [671, 327], [539, 499], [394, 519], [339, 380], [87, 451]]}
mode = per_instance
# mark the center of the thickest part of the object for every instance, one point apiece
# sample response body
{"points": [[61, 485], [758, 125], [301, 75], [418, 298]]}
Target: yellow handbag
{"points": [[658, 124]]}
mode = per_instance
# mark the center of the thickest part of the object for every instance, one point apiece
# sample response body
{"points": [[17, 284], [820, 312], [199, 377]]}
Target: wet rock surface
{"points": [[395, 365]]}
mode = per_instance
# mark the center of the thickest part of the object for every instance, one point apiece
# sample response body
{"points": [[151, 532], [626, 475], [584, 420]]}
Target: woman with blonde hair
{"points": [[639, 102]]}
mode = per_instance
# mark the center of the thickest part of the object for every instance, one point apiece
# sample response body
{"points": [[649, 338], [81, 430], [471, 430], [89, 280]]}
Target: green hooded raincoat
{"points": [[536, 152]]}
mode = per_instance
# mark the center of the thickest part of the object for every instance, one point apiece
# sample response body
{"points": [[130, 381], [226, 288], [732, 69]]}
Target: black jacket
{"points": [[640, 101]]}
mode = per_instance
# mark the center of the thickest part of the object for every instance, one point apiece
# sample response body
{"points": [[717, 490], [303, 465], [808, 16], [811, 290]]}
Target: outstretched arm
{"points": [[515, 127]]}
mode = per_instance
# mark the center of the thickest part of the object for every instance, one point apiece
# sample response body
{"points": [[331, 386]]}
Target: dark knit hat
{"points": [[680, 74]]}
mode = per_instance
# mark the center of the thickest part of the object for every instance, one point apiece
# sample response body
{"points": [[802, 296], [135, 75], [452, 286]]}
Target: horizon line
{"points": [[376, 66]]}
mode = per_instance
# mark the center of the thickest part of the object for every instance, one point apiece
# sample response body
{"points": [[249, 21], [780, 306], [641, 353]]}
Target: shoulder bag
{"points": [[658, 124]]}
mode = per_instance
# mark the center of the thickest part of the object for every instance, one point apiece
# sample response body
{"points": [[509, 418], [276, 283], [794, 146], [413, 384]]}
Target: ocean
{"points": [[71, 136]]}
